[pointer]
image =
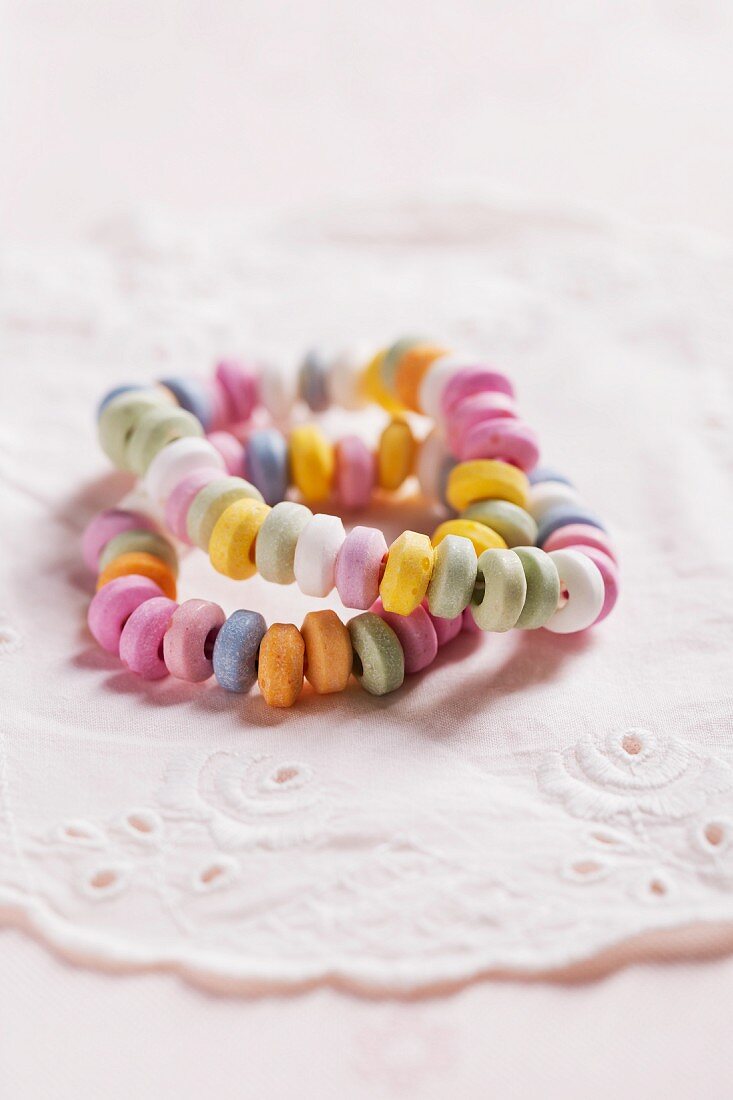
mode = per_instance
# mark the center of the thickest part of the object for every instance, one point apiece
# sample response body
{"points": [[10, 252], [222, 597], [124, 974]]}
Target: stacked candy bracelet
{"points": [[520, 549]]}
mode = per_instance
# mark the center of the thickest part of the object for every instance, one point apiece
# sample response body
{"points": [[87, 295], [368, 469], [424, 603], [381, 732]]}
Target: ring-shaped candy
{"points": [[379, 661], [395, 454], [280, 665], [312, 462], [416, 635], [188, 645], [210, 502], [484, 479], [112, 606], [407, 573], [582, 592], [154, 430], [235, 650], [232, 542], [511, 440], [328, 652], [481, 536], [143, 565], [142, 638], [358, 567], [500, 596]]}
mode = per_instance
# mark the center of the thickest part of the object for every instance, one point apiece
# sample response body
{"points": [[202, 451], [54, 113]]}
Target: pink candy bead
{"points": [[609, 571], [141, 641], [416, 635], [240, 384], [222, 410], [99, 531], [469, 624], [510, 440], [475, 410], [230, 449], [189, 641], [358, 567], [181, 499], [356, 472], [445, 629], [113, 605], [470, 381], [577, 535]]}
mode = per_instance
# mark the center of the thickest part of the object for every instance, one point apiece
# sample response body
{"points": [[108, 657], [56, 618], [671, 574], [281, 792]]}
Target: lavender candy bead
{"points": [[235, 650], [266, 464], [191, 395]]}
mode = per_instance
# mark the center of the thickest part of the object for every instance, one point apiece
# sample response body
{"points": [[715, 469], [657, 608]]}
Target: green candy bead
{"points": [[379, 662], [515, 526], [120, 417], [210, 502], [277, 539], [155, 429], [453, 578], [543, 587], [501, 592], [147, 542]]}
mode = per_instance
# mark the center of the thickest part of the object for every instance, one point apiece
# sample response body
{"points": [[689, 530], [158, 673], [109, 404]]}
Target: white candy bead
{"points": [[582, 592], [437, 378], [176, 461], [431, 457], [547, 495], [315, 554], [278, 391], [344, 380]]}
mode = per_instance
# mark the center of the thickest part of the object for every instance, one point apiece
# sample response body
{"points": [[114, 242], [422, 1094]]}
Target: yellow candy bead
{"points": [[373, 385], [482, 537], [232, 542], [312, 462], [407, 573], [486, 479], [396, 454]]}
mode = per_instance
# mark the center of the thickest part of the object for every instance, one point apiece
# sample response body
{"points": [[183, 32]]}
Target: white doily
{"points": [[528, 802]]}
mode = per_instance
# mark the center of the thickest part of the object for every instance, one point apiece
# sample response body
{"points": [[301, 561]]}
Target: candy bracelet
{"points": [[521, 550]]}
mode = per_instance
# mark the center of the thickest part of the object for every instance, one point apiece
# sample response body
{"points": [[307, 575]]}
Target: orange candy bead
{"points": [[280, 669], [143, 565], [328, 652], [412, 368]]}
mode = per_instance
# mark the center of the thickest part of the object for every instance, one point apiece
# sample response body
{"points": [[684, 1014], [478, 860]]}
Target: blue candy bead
{"points": [[191, 396], [546, 473], [130, 388], [266, 464], [235, 650], [563, 515], [313, 382]]}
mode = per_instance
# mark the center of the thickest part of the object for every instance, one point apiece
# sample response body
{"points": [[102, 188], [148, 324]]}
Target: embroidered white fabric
{"points": [[528, 802]]}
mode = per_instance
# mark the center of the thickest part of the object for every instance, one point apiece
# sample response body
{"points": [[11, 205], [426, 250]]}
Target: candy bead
{"points": [[183, 496], [235, 650], [548, 495], [515, 526], [581, 589], [430, 464], [563, 515], [379, 663], [580, 534], [478, 409], [239, 382], [543, 587], [277, 541], [266, 463], [105, 526], [328, 652], [149, 542], [412, 367], [188, 645], [511, 440], [315, 554], [358, 567], [434, 381], [277, 392], [473, 380], [118, 420], [222, 410], [313, 382], [445, 629], [395, 454], [374, 388], [345, 377], [176, 461], [501, 591], [481, 536], [415, 633], [112, 606], [144, 565], [391, 360], [356, 472], [453, 578], [191, 394], [118, 391], [210, 502], [484, 479], [545, 473], [407, 573], [232, 542], [280, 669], [229, 449], [312, 462], [155, 429], [142, 638], [609, 572]]}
